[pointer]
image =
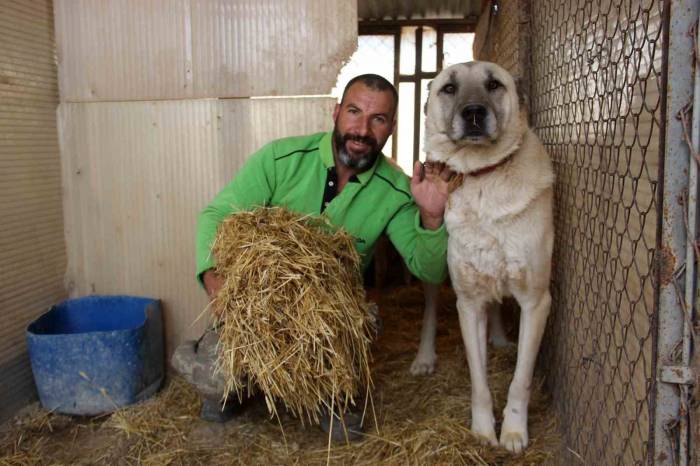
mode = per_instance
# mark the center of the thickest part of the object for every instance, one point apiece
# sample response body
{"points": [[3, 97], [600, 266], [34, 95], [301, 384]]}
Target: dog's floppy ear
{"points": [[425, 105]]}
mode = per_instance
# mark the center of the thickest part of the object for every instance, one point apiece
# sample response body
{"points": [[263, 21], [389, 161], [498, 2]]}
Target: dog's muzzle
{"points": [[474, 116]]}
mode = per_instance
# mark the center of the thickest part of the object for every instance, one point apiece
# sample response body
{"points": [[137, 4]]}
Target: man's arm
{"points": [[423, 250], [417, 230], [252, 187]]}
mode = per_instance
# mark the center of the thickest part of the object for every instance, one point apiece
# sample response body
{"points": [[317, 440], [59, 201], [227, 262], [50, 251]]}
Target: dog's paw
{"points": [[487, 439], [514, 429], [514, 442], [424, 364], [482, 426]]}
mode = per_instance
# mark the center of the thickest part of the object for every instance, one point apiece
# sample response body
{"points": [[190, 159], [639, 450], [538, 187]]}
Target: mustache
{"points": [[368, 140]]}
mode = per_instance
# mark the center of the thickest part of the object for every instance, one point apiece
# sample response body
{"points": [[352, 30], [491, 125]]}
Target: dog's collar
{"points": [[458, 178], [490, 168]]}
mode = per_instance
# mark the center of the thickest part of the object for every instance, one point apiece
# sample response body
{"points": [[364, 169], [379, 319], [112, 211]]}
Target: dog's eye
{"points": [[493, 85], [449, 89]]}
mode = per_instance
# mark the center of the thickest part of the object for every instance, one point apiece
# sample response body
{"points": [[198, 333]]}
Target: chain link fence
{"points": [[597, 106]]}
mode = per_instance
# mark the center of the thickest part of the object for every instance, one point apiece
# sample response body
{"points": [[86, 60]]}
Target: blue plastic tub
{"points": [[95, 354]]}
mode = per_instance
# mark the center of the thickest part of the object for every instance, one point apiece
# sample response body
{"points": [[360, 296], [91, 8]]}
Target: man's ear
{"points": [[336, 110]]}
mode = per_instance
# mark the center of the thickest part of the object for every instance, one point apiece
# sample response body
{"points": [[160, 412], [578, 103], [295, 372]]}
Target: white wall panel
{"points": [[136, 175], [268, 47], [171, 49], [122, 49], [248, 124]]}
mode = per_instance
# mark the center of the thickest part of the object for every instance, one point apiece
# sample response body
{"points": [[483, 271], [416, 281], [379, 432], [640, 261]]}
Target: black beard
{"points": [[357, 163]]}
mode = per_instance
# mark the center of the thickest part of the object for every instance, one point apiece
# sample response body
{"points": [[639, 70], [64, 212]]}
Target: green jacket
{"points": [[293, 173]]}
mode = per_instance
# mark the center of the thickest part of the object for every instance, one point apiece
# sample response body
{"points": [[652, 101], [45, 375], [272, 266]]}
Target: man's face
{"points": [[364, 120]]}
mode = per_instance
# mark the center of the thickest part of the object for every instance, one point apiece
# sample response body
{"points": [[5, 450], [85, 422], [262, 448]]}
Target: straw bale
{"points": [[293, 319]]}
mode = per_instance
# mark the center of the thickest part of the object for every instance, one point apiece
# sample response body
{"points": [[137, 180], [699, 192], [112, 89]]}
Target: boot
{"points": [[347, 429], [213, 410], [195, 360]]}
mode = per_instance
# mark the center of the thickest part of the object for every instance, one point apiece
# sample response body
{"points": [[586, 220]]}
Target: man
{"points": [[343, 175]]}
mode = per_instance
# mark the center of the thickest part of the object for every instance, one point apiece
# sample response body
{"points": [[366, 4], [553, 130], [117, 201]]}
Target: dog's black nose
{"points": [[474, 110], [474, 116]]}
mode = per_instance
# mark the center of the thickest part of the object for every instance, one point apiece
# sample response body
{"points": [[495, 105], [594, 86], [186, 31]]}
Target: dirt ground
{"points": [[416, 420]]}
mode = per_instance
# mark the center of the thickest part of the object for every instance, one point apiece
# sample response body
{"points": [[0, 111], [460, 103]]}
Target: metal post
{"points": [[670, 428], [691, 273]]}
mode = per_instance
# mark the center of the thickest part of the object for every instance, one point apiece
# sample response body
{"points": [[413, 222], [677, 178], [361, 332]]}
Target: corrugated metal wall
{"points": [[149, 131], [32, 247]]}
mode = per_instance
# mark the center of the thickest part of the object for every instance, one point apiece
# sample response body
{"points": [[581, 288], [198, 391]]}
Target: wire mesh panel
{"points": [[596, 85]]}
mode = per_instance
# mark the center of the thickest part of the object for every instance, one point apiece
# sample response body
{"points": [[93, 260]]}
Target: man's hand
{"points": [[429, 186], [212, 284]]}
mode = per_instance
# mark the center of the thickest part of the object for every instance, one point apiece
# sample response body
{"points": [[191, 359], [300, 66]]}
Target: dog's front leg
{"points": [[533, 318], [473, 320], [424, 363]]}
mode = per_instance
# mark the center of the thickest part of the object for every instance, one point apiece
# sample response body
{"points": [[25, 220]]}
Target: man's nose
{"points": [[364, 127]]}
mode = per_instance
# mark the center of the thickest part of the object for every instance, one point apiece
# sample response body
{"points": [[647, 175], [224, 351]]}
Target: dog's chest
{"points": [[479, 249], [471, 210]]}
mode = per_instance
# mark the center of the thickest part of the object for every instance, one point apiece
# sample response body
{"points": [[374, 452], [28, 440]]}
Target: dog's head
{"points": [[473, 105]]}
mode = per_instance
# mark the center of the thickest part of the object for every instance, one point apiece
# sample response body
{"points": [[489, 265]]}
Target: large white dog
{"points": [[500, 228]]}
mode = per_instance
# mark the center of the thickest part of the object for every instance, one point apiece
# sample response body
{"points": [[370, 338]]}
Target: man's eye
{"points": [[493, 85], [449, 89], [380, 120]]}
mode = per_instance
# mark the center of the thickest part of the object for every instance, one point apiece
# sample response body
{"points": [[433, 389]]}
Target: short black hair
{"points": [[374, 82]]}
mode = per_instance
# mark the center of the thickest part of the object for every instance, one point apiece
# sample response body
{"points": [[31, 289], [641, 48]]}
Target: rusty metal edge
{"points": [[665, 448]]}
